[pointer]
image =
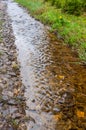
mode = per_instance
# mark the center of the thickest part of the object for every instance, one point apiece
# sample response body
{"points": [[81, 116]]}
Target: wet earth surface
{"points": [[12, 101], [54, 96]]}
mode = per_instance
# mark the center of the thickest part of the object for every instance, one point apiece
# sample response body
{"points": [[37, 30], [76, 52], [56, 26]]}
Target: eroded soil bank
{"points": [[53, 75]]}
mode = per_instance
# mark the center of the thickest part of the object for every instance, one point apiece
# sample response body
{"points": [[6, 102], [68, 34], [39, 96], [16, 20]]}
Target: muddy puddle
{"points": [[53, 76]]}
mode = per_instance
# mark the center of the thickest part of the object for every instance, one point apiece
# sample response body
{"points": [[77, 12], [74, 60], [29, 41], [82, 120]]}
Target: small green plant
{"points": [[75, 7], [82, 51], [1, 53]]}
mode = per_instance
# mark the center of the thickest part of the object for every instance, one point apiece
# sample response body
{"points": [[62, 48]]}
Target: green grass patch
{"points": [[1, 53], [71, 28]]}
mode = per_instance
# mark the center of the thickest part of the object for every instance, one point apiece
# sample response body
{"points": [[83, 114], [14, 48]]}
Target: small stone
{"points": [[0, 81], [16, 116], [33, 100], [56, 110], [10, 94], [11, 102]]}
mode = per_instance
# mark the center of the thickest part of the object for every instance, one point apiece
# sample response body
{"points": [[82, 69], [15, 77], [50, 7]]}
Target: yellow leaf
{"points": [[61, 76], [80, 114]]}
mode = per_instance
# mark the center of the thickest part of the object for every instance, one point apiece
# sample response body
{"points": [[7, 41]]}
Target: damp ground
{"points": [[53, 76]]}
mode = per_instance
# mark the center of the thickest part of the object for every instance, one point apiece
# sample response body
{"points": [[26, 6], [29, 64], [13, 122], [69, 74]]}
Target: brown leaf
{"points": [[57, 117], [16, 91]]}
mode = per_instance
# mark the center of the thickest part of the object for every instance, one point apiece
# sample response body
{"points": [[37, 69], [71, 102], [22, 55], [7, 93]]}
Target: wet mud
{"points": [[53, 75], [12, 101]]}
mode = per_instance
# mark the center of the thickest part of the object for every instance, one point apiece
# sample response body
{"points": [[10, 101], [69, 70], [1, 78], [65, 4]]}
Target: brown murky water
{"points": [[54, 78]]}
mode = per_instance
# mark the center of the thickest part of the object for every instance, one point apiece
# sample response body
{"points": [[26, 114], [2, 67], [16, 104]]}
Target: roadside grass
{"points": [[71, 28]]}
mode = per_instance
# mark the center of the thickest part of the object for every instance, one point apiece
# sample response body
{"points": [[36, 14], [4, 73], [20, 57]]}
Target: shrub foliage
{"points": [[75, 7]]}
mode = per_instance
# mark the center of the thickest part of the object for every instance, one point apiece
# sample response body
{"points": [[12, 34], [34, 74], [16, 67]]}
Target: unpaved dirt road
{"points": [[53, 76]]}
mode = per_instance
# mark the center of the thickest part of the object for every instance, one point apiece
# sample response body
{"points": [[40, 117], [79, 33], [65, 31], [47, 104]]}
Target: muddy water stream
{"points": [[46, 71], [34, 56]]}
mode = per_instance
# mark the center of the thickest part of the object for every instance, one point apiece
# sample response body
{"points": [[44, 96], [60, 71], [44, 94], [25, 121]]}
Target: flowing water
{"points": [[42, 73], [34, 56]]}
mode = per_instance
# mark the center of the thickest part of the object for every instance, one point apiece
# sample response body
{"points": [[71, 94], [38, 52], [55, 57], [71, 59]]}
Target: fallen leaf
{"points": [[16, 91], [61, 77], [80, 114], [68, 67], [57, 117]]}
